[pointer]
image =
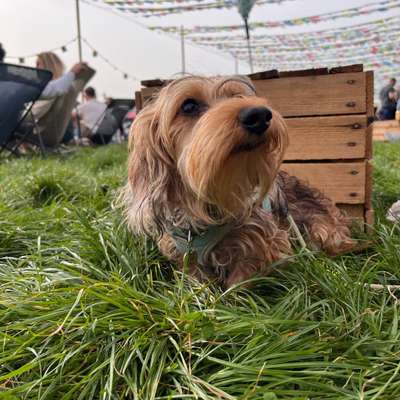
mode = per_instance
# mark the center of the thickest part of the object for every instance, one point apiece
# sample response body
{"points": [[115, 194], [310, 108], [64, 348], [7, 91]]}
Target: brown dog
{"points": [[203, 178]]}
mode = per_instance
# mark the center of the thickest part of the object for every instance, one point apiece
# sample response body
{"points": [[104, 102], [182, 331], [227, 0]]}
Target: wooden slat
{"points": [[316, 95], [327, 138], [368, 142], [304, 72], [145, 95], [271, 74], [368, 186], [381, 127], [341, 182], [154, 82], [138, 101], [369, 220], [347, 68], [369, 91], [391, 123], [356, 214], [353, 211]]}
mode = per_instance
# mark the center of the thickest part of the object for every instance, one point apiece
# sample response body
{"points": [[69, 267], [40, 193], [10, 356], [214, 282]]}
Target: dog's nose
{"points": [[255, 119]]}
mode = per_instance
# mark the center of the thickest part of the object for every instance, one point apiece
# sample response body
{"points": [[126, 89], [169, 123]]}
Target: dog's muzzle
{"points": [[255, 120]]}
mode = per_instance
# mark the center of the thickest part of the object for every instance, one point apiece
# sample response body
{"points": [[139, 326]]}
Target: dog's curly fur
{"points": [[201, 170]]}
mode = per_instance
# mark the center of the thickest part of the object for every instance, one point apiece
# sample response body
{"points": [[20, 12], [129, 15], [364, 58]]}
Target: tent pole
{"points": [[78, 23], [248, 45], [183, 50], [79, 37]]}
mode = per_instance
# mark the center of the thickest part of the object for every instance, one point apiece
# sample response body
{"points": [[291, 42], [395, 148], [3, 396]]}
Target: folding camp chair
{"points": [[20, 87], [120, 107], [53, 124], [106, 126]]}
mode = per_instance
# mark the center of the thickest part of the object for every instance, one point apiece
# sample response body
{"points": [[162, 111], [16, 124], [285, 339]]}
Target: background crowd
{"points": [[95, 122], [91, 121], [390, 101]]}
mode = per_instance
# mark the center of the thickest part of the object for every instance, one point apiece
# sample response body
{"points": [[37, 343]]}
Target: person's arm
{"points": [[58, 87]]}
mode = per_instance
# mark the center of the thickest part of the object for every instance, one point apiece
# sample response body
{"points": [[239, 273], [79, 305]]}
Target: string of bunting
{"points": [[346, 34], [380, 6], [22, 59], [95, 53], [163, 11], [377, 61], [65, 47], [363, 47], [175, 6], [360, 43], [387, 62]]}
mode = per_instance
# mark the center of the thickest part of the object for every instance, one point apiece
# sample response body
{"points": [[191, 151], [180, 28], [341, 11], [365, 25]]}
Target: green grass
{"points": [[89, 312]]}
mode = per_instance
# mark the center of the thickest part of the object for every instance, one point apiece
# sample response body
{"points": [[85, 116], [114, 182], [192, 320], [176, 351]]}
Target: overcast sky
{"points": [[31, 26]]}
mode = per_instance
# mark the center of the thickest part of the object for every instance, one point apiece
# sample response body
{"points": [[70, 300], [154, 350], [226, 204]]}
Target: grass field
{"points": [[89, 312]]}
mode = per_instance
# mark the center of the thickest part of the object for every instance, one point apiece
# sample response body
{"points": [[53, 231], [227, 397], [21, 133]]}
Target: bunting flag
{"points": [[389, 59], [65, 47], [344, 34], [132, 3], [362, 43], [148, 8], [21, 59], [365, 49], [377, 6], [96, 53]]}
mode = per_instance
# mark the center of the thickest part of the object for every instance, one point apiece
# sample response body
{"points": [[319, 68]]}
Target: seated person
{"points": [[388, 109], [96, 123], [60, 84]]}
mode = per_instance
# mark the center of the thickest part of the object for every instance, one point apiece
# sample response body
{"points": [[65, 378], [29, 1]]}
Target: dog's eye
{"points": [[190, 107]]}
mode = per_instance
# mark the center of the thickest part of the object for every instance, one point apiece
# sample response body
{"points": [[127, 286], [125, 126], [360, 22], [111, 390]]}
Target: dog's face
{"points": [[213, 139]]}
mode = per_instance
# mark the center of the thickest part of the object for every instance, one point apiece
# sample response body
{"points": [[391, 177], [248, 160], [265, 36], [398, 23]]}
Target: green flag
{"points": [[245, 7]]}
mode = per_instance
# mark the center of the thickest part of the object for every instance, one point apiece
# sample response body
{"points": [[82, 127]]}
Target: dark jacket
{"points": [[383, 94], [388, 110]]}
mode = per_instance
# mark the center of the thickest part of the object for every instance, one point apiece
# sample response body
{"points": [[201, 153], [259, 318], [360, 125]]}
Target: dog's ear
{"points": [[150, 170]]}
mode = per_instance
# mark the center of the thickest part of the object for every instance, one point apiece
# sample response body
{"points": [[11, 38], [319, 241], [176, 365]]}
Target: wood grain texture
{"points": [[347, 68], [138, 101], [369, 220], [356, 214], [331, 94], [154, 82], [148, 93], [342, 182], [369, 91], [327, 138], [379, 128], [353, 211], [271, 74], [368, 185], [368, 142], [304, 72]]}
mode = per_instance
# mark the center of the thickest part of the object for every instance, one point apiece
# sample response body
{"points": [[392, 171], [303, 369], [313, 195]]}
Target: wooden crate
{"points": [[380, 128], [328, 113]]}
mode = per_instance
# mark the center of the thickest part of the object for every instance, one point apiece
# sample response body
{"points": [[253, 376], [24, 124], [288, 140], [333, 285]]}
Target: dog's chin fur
{"points": [[197, 171]]}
